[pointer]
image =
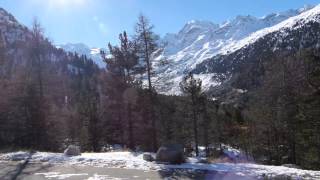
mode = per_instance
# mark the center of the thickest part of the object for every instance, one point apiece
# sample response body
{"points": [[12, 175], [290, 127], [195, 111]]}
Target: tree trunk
{"points": [[154, 130], [206, 133], [152, 116], [131, 138], [147, 58], [195, 125]]}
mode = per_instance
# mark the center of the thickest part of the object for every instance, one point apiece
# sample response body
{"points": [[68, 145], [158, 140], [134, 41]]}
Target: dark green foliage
{"points": [[281, 117]]}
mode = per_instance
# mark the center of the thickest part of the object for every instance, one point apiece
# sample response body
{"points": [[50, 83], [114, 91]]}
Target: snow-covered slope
{"points": [[201, 40], [82, 49], [289, 24], [239, 63]]}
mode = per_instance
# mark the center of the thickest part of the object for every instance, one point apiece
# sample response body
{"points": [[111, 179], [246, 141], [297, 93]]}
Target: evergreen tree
{"points": [[121, 66], [192, 88], [146, 41]]}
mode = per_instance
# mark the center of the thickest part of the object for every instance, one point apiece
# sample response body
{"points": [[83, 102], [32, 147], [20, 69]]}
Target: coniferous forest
{"points": [[51, 99]]}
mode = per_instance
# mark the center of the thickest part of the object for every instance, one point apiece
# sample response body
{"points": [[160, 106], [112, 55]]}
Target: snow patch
{"points": [[135, 161], [57, 175], [105, 177], [14, 156]]}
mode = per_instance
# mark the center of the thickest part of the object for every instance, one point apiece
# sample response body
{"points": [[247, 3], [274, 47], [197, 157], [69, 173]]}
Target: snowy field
{"points": [[130, 160]]}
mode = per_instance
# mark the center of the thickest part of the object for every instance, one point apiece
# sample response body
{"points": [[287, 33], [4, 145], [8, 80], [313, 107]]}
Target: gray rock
{"points": [[203, 161], [172, 154], [72, 150], [148, 157]]}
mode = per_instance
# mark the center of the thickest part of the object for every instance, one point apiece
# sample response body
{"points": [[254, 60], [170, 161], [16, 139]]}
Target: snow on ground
{"points": [[104, 177], [14, 156], [57, 175], [130, 160], [112, 159]]}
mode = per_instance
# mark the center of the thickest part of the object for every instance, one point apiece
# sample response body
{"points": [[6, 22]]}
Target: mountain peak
{"points": [[198, 25], [200, 22], [306, 8], [245, 18]]}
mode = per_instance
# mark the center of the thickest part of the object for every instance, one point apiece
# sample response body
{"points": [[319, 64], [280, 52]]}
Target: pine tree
{"points": [[123, 60], [192, 88], [146, 41], [147, 44], [121, 66]]}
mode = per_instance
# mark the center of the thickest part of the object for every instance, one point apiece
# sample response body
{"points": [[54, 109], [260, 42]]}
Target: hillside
{"points": [[199, 41]]}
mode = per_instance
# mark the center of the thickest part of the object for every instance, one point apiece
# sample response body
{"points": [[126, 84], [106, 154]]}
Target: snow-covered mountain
{"points": [[245, 65], [196, 47], [202, 40], [82, 49]]}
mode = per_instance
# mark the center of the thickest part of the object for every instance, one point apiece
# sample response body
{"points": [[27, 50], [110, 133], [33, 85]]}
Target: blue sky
{"points": [[97, 22]]}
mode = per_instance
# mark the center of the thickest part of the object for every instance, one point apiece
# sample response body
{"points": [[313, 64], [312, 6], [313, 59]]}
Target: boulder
{"points": [[203, 161], [148, 157], [117, 147], [172, 154], [72, 150]]}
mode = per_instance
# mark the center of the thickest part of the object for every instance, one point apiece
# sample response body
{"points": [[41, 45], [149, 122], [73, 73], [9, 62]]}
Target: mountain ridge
{"points": [[208, 45], [195, 43], [175, 49]]}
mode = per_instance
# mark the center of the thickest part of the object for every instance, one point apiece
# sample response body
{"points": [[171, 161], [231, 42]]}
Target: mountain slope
{"points": [[200, 40], [11, 30], [16, 45], [244, 65], [13, 34], [82, 49]]}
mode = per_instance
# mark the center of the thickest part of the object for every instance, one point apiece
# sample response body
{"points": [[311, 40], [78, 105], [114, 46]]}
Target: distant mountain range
{"points": [[203, 47], [82, 49], [202, 40], [199, 41]]}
